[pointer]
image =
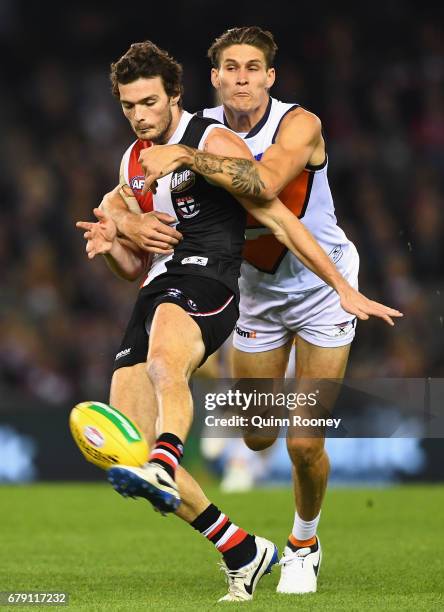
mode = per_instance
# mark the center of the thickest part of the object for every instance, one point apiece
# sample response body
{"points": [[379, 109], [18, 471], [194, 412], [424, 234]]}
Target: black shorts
{"points": [[212, 305]]}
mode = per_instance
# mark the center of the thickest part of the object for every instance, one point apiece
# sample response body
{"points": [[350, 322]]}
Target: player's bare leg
{"points": [[133, 392], [302, 555], [175, 351], [246, 558], [310, 461], [266, 364]]}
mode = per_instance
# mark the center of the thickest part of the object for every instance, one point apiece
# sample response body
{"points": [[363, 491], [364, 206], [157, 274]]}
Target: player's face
{"points": [[242, 78], [148, 108]]}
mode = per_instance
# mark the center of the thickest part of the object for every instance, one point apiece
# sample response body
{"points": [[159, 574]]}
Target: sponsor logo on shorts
{"points": [[336, 253], [123, 353], [244, 333], [176, 293], [192, 304], [187, 207], [342, 329], [198, 261], [137, 183], [182, 180], [94, 436]]}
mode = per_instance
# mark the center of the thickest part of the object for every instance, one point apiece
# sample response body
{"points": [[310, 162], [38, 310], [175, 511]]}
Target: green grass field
{"points": [[383, 549]]}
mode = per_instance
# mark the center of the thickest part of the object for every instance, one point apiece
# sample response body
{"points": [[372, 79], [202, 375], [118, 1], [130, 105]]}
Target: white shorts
{"points": [[269, 319]]}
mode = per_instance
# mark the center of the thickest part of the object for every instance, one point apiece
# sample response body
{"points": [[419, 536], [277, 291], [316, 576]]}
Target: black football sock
{"points": [[167, 452], [237, 546]]}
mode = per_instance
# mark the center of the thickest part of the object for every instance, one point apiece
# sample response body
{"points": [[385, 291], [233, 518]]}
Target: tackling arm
{"points": [[158, 161], [289, 230], [299, 137], [285, 226]]}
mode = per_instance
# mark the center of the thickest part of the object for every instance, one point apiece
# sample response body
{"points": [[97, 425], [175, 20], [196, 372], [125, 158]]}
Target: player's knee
{"points": [[305, 451], [162, 369], [257, 442]]}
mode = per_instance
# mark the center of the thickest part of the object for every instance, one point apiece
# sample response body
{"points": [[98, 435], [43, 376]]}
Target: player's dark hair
{"points": [[146, 60], [252, 35]]}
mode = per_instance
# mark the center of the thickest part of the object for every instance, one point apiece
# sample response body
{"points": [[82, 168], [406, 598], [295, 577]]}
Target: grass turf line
{"points": [[381, 549]]}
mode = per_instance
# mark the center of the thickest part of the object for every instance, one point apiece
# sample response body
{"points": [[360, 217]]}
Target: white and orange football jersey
{"points": [[267, 262]]}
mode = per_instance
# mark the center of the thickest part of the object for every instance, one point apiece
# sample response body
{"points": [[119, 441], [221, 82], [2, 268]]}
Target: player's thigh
{"points": [[319, 361], [319, 371], [264, 364], [175, 345], [132, 393]]}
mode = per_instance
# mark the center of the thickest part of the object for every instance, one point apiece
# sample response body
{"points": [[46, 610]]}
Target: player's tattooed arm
{"points": [[298, 142], [225, 161], [243, 175]]}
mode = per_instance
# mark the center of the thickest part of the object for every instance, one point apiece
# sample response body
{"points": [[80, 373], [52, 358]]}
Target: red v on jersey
{"points": [[136, 177]]}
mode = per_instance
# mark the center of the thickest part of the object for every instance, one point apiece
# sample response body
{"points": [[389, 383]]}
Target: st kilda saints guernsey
{"points": [[211, 221]]}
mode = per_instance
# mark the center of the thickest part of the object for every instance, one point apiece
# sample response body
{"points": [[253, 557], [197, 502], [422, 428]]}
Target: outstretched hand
{"points": [[99, 235], [356, 303]]}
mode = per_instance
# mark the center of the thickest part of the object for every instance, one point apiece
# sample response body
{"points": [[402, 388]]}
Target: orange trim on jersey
{"points": [[294, 195], [265, 252]]}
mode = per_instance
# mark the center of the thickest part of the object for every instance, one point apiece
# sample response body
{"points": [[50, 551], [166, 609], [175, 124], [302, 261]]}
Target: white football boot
{"points": [[243, 581], [151, 481], [299, 573]]}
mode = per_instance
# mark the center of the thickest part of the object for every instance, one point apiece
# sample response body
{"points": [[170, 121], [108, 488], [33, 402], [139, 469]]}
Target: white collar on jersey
{"points": [[181, 127]]}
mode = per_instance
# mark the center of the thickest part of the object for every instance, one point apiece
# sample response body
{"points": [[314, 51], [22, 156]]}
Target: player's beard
{"points": [[164, 128]]}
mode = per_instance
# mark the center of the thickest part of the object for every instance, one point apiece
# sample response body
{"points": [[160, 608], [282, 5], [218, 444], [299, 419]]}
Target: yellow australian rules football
{"points": [[106, 437]]}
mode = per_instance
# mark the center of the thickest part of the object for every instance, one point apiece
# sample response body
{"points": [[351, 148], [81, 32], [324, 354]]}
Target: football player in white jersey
{"points": [[281, 300]]}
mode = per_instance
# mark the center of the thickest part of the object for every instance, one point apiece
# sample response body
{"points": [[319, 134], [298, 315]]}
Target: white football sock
{"points": [[304, 530]]}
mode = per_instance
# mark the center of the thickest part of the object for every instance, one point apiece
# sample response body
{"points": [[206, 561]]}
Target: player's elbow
{"points": [[271, 191], [270, 188], [263, 196], [132, 276], [125, 275]]}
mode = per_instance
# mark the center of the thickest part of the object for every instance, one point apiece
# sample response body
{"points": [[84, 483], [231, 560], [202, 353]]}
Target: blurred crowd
{"points": [[376, 83]]}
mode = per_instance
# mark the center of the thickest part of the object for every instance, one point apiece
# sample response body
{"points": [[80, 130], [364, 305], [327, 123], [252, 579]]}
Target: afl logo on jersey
{"points": [[137, 183], [187, 207], [182, 180]]}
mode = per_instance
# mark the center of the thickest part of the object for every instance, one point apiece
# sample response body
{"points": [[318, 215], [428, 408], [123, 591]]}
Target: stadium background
{"points": [[373, 73]]}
